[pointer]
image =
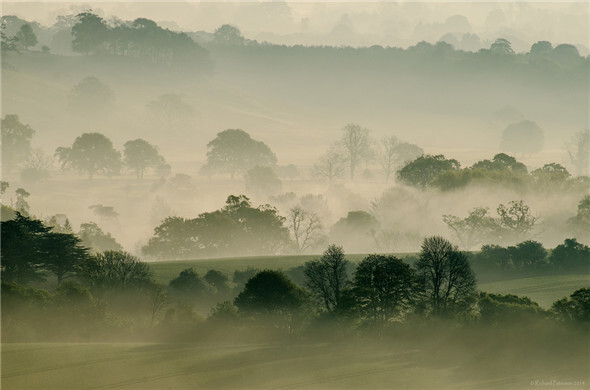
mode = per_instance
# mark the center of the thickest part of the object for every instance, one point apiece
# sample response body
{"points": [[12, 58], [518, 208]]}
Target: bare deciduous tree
{"points": [[387, 155], [356, 145], [330, 166], [306, 228]]}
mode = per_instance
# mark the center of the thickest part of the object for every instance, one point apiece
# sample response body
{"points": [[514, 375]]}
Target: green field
{"points": [[165, 271], [303, 366], [542, 289]]}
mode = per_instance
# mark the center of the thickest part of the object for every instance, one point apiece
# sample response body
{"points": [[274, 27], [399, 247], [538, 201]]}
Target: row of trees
{"points": [[356, 146], [530, 256], [142, 38], [33, 249], [380, 289], [384, 289], [436, 171], [93, 153]]}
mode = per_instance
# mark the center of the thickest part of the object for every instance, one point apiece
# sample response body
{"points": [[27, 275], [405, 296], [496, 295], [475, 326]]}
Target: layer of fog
{"points": [[299, 113]]}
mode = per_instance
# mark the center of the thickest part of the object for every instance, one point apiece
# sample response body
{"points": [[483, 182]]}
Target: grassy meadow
{"points": [[426, 364]]}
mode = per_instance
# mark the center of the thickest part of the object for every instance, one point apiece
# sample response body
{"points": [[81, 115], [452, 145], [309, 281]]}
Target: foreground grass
{"points": [[442, 364]]}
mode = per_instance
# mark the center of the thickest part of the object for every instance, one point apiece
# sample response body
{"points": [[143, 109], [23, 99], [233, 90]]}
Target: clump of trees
{"points": [[238, 227], [91, 153], [530, 257], [423, 171], [356, 147], [446, 174], [94, 153], [514, 222], [142, 38]]}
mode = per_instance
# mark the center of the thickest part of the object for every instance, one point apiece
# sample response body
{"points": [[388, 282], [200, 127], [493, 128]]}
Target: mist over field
{"points": [[161, 159]]}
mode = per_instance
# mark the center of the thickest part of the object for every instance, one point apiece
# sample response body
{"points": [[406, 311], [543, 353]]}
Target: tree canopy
{"points": [[91, 153], [140, 155], [16, 142], [447, 282], [233, 151], [238, 227], [422, 171]]}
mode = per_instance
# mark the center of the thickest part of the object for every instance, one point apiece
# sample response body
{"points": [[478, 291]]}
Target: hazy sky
{"points": [[366, 23]]}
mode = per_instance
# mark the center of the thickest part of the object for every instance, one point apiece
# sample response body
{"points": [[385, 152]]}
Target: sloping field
{"points": [[542, 289], [167, 270], [307, 366]]}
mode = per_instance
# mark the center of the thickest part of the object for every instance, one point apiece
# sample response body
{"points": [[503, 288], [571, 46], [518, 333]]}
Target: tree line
{"points": [[113, 294]]}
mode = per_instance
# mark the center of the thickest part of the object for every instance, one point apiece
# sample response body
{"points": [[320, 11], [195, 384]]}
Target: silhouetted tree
{"points": [[270, 295], [494, 256], [425, 169], [89, 33], [96, 240], [36, 167], [570, 255], [447, 283], [355, 143], [386, 156], [190, 283], [262, 181], [579, 152], [64, 253], [7, 43], [501, 309], [22, 245], [501, 162], [383, 287], [91, 153], [580, 223], [22, 206], [16, 142], [104, 212], [477, 228], [26, 37], [305, 227], [228, 35], [327, 277], [114, 270], [550, 175], [91, 97], [356, 227], [330, 166], [219, 280], [575, 309], [174, 238], [405, 152], [140, 155], [502, 46], [234, 151], [171, 110], [516, 219], [236, 228], [527, 254], [524, 137]]}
